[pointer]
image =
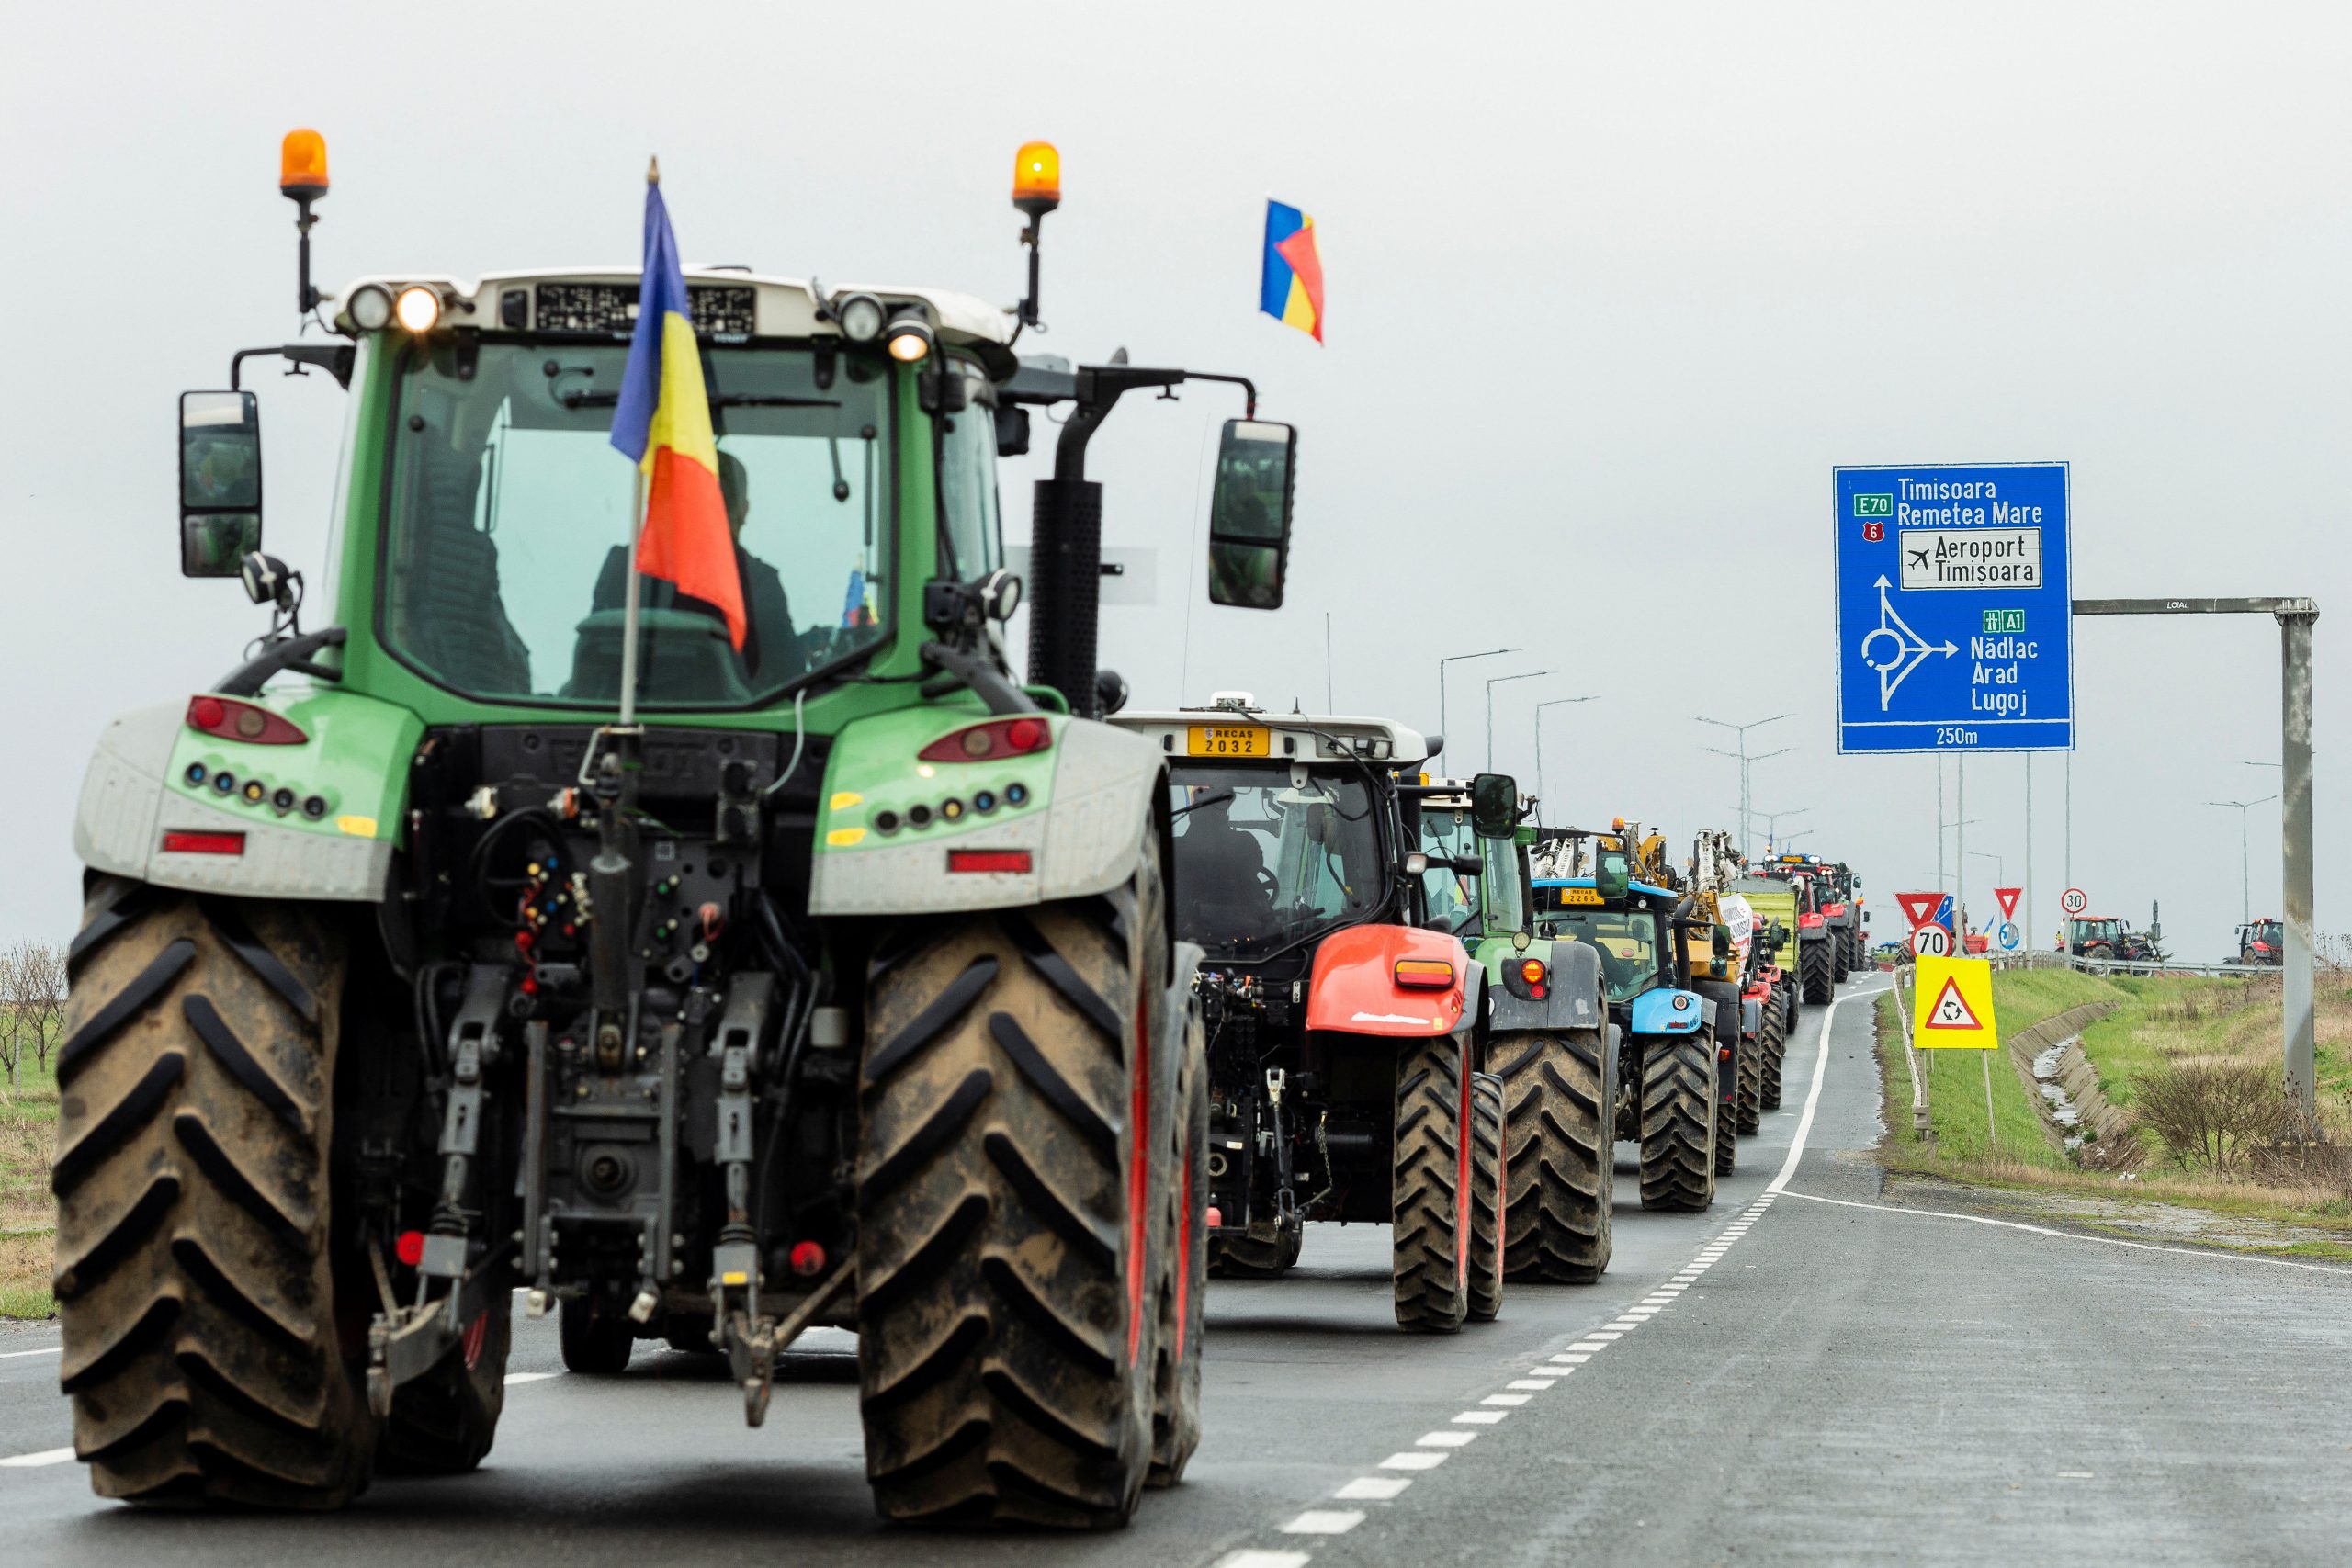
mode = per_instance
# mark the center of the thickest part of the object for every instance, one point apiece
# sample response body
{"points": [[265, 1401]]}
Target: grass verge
{"points": [[27, 1213], [2158, 1022]]}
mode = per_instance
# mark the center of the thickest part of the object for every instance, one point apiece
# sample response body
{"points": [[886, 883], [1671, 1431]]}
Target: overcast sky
{"points": [[1611, 291]]}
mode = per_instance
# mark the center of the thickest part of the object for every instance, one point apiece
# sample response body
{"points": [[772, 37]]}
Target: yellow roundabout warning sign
{"points": [[1951, 1006]]}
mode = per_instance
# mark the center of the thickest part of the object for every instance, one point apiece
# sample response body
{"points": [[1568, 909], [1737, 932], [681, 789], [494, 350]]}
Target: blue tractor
{"points": [[1671, 1090]]}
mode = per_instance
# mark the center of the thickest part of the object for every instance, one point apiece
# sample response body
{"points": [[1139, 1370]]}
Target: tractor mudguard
{"points": [[1353, 987], [898, 834], [1656, 1013], [172, 804], [1572, 988]]}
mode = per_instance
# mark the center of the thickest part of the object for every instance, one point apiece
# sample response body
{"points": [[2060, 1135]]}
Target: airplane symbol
{"points": [[1910, 650], [1919, 558]]}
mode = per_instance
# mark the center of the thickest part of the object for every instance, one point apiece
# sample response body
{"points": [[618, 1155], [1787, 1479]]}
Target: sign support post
{"points": [[2295, 617]]}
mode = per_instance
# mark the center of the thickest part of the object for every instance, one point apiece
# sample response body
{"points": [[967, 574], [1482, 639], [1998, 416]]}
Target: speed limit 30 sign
{"points": [[2073, 900]]}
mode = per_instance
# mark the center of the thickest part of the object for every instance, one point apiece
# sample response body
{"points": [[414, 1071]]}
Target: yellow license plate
{"points": [[1230, 740], [1579, 896]]}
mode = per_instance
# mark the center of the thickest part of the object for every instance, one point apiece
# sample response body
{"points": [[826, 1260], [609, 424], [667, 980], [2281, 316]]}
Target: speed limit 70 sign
{"points": [[1931, 942]]}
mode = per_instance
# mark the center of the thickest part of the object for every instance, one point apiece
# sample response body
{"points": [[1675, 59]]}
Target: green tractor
{"points": [[1546, 1036], [824, 977]]}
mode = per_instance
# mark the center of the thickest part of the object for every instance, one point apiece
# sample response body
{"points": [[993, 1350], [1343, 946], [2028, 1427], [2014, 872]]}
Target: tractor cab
{"points": [[2262, 941]]}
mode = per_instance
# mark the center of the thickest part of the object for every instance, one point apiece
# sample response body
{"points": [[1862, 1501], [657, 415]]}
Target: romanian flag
{"points": [[1290, 289], [663, 422]]}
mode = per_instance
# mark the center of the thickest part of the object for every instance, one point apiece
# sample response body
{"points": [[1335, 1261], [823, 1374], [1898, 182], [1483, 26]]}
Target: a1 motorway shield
{"points": [[1954, 620]]}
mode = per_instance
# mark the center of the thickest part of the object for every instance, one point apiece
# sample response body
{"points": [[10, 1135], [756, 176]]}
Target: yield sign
{"points": [[1918, 907], [1951, 1009], [2008, 898]]}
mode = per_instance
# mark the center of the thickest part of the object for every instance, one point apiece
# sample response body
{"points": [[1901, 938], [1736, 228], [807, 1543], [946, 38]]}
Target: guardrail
{"points": [[2039, 958]]}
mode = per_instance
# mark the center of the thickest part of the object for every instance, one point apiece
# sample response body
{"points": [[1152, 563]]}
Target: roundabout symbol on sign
{"points": [[1931, 942], [2073, 900], [2010, 935]]}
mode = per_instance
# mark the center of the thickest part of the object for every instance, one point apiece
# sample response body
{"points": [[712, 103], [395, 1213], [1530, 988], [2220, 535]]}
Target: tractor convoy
{"points": [[539, 929]]}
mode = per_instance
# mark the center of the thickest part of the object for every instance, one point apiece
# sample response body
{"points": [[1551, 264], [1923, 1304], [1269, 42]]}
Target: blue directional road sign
{"points": [[1955, 627]]}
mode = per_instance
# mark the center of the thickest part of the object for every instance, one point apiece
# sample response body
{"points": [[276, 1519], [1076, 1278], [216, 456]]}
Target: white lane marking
{"points": [[1252, 1558], [2072, 1235], [1324, 1521], [1374, 1489], [46, 1456], [1538, 1384], [12, 1355], [1604, 1335], [1445, 1439], [1574, 1357], [1813, 1094], [1481, 1417], [513, 1378], [2075, 1475], [1588, 1344], [1510, 1401], [1415, 1459]]}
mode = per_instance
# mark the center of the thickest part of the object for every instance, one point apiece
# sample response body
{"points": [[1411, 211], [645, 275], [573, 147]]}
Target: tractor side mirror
{"points": [[1415, 864], [1612, 874], [1249, 514], [1494, 806], [220, 482]]}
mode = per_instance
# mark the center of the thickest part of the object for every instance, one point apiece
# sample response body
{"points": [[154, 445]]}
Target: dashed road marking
{"points": [[1415, 1459], [1481, 1417], [513, 1378], [1374, 1489], [1251, 1558], [50, 1350], [1324, 1521], [46, 1456], [1445, 1439]]}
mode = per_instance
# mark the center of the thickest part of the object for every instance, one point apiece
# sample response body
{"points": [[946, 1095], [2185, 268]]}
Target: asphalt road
{"points": [[1801, 1375]]}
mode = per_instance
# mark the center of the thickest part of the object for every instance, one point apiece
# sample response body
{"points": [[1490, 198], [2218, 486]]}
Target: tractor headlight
{"points": [[370, 306], [418, 308], [861, 316], [910, 340]]}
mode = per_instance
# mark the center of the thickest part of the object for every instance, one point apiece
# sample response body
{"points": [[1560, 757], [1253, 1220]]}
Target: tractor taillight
{"points": [[991, 741], [178, 842], [233, 720], [1011, 862], [1424, 974]]}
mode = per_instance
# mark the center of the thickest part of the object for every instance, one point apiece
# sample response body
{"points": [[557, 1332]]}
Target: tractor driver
{"points": [[1220, 868], [771, 654]]}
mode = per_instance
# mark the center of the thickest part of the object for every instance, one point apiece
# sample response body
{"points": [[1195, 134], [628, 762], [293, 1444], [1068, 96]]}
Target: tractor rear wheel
{"points": [[1559, 1116], [1776, 1046], [1185, 1279], [1679, 1121], [1429, 1235], [1488, 1177], [1813, 977], [1008, 1190], [196, 1276], [1751, 1084], [443, 1423], [1726, 1132]]}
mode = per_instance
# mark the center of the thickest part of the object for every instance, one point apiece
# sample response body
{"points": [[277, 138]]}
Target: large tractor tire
{"points": [[1184, 1278], [202, 1307], [1726, 1132], [1752, 1057], [1678, 1122], [1009, 1179], [1815, 977], [443, 1423], [1558, 1109], [1430, 1238], [1488, 1178], [1775, 1048]]}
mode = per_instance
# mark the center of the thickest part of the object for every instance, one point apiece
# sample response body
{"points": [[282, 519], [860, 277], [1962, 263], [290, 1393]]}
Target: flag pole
{"points": [[629, 615]]}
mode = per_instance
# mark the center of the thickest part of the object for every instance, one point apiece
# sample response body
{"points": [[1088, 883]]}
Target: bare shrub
{"points": [[2217, 1115]]}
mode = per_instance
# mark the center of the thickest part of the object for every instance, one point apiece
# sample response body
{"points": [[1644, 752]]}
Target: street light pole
{"points": [[1772, 818], [1746, 794], [1555, 702], [1524, 675], [1456, 658], [2245, 873]]}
